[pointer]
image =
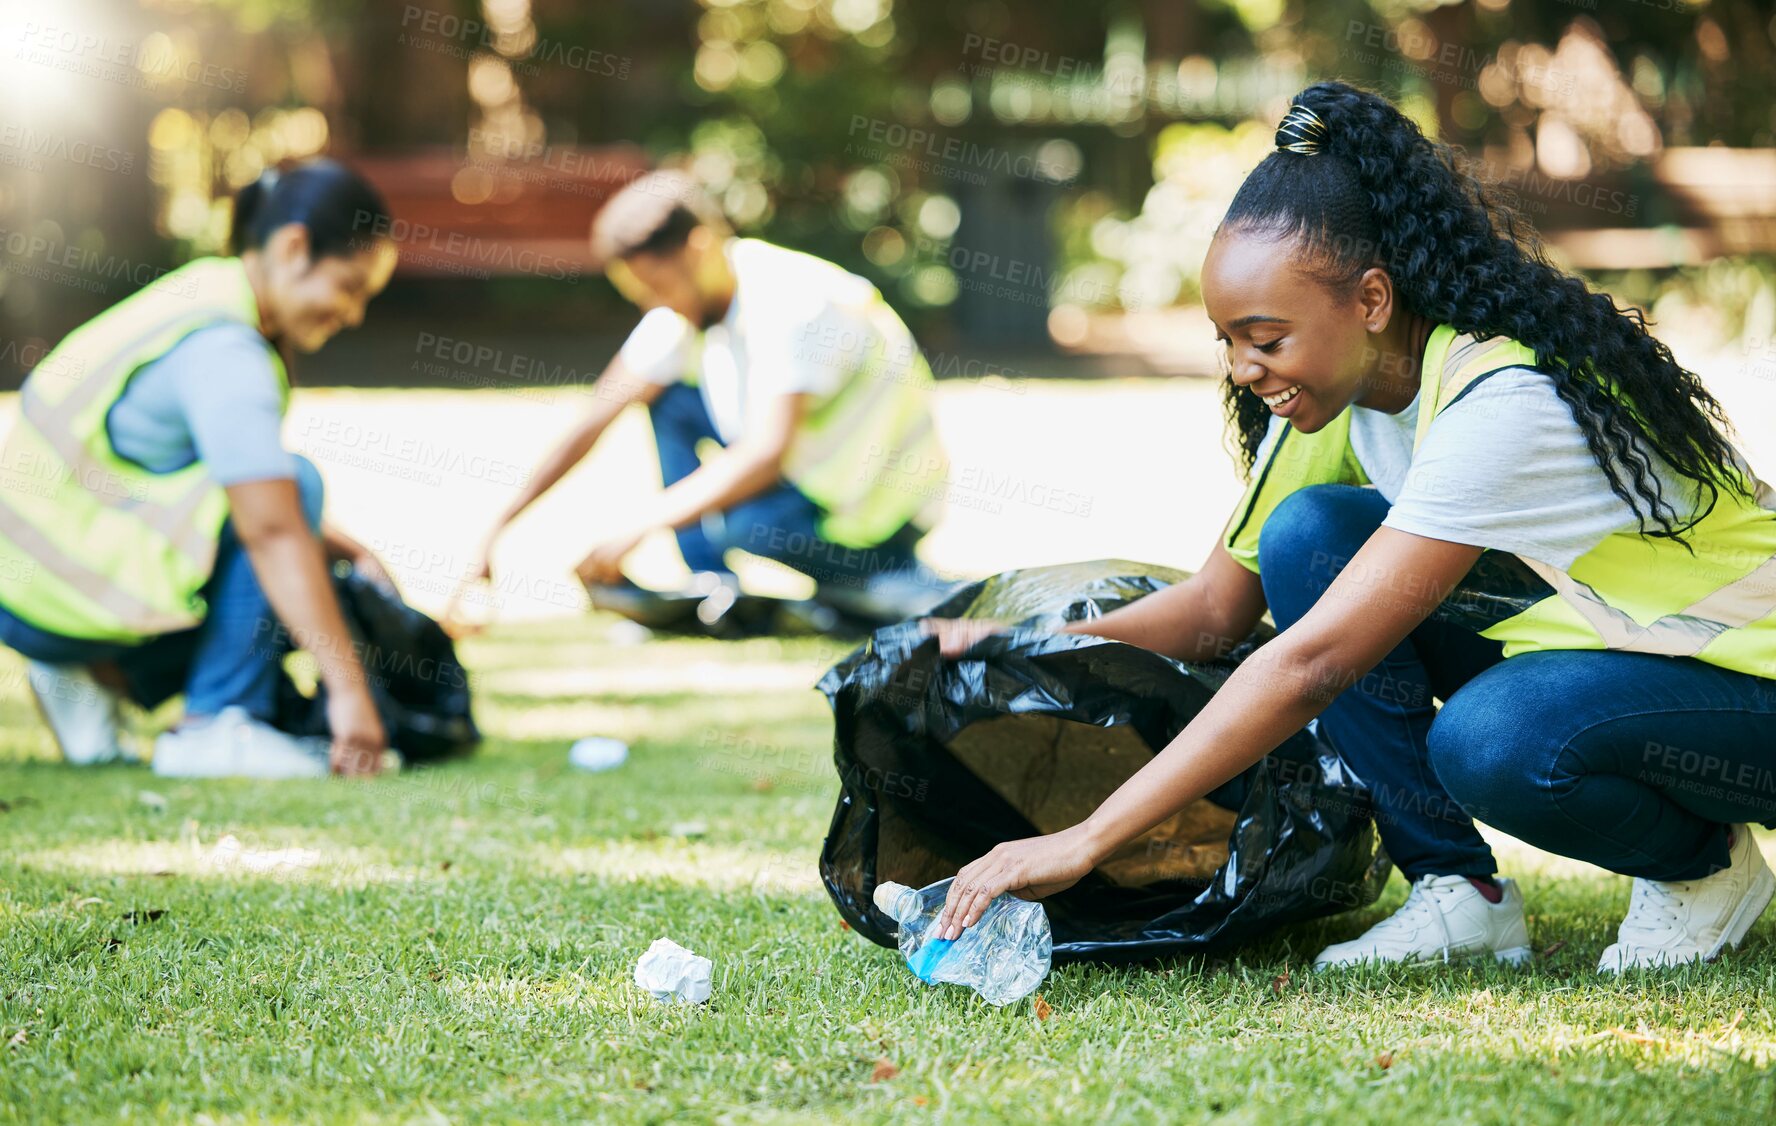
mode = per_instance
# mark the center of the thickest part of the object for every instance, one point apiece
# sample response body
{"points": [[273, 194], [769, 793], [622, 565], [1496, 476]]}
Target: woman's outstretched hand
{"points": [[1033, 868], [956, 636]]}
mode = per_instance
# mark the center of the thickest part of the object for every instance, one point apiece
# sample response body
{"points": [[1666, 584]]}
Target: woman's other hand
{"points": [[956, 636]]}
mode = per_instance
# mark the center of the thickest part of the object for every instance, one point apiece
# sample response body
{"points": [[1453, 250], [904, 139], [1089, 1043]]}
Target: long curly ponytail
{"points": [[1377, 192]]}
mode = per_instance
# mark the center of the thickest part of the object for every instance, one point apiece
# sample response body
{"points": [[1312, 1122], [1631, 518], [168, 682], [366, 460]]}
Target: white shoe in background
{"points": [[84, 716], [1674, 922], [232, 744], [1444, 917]]}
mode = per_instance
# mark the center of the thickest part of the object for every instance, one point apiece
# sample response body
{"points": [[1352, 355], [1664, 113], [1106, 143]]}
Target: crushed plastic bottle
{"points": [[1003, 957]]}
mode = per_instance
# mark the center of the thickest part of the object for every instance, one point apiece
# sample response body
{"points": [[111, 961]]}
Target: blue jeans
{"points": [[1629, 761], [232, 659], [781, 523]]}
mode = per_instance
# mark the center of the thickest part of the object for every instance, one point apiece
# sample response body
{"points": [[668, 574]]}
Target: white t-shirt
{"points": [[1505, 467], [797, 325]]}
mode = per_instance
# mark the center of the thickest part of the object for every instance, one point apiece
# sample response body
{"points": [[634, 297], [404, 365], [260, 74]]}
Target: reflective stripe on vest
{"points": [[99, 589], [870, 456], [93, 545], [56, 423], [1683, 634]]}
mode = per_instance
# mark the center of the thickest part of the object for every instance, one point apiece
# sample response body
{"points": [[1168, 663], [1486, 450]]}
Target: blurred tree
{"points": [[873, 132]]}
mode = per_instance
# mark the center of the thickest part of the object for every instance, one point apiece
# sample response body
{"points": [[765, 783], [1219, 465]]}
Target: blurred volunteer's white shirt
{"points": [[797, 325]]}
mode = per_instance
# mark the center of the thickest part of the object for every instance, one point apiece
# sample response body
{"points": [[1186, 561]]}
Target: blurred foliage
{"points": [[855, 129], [1727, 300], [871, 132], [781, 92]]}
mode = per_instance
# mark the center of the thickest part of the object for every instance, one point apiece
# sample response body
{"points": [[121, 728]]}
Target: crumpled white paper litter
{"points": [[670, 972], [598, 753]]}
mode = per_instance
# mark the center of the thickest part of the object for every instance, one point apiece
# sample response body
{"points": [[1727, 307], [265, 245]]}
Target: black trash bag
{"points": [[420, 689], [1498, 586], [722, 613], [836, 610], [941, 760]]}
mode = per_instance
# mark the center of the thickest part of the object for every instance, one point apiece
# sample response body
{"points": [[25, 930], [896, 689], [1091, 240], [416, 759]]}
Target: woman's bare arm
{"points": [[290, 564], [615, 390], [1198, 619]]}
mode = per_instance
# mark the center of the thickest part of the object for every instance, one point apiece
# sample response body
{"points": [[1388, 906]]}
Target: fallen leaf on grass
{"points": [[1279, 983], [1385, 1060], [919, 1100], [763, 785], [843, 925], [1636, 1037], [444, 867], [884, 1071], [1043, 1009], [1554, 949], [230, 852]]}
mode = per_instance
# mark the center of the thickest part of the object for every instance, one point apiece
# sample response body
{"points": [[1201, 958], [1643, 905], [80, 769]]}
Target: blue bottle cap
{"points": [[927, 958]]}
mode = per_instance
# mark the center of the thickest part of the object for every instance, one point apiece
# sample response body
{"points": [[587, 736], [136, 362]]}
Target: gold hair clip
{"points": [[1304, 130]]}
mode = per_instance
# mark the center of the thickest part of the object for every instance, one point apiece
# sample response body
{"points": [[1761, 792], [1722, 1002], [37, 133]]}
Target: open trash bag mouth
{"points": [[1030, 730], [421, 690]]}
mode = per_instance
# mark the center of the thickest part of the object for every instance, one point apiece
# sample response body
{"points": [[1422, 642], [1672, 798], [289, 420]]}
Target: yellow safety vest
{"points": [[870, 455], [93, 545], [1631, 592]]}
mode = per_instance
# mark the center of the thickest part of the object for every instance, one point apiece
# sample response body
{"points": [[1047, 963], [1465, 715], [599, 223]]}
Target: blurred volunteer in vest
{"points": [[809, 384], [1413, 385], [155, 535]]}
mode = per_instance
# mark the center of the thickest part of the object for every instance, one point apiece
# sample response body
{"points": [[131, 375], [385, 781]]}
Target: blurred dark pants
{"points": [[780, 523]]}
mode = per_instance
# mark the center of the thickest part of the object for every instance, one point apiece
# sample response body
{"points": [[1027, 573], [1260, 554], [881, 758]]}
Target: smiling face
{"points": [[310, 300], [1305, 347]]}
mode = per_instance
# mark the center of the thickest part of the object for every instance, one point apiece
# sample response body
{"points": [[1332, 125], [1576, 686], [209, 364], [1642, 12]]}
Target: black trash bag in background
{"points": [[941, 760], [420, 689], [838, 610]]}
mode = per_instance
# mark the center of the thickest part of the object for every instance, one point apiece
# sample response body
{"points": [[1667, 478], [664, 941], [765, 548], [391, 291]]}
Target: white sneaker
{"points": [[1444, 917], [85, 717], [232, 744], [1671, 923]]}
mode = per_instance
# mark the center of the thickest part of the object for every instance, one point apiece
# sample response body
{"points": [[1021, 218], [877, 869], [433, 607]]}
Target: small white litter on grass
{"points": [[672, 973], [626, 633], [598, 753]]}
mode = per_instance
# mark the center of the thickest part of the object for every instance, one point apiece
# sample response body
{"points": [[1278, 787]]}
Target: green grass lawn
{"points": [[458, 945]]}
